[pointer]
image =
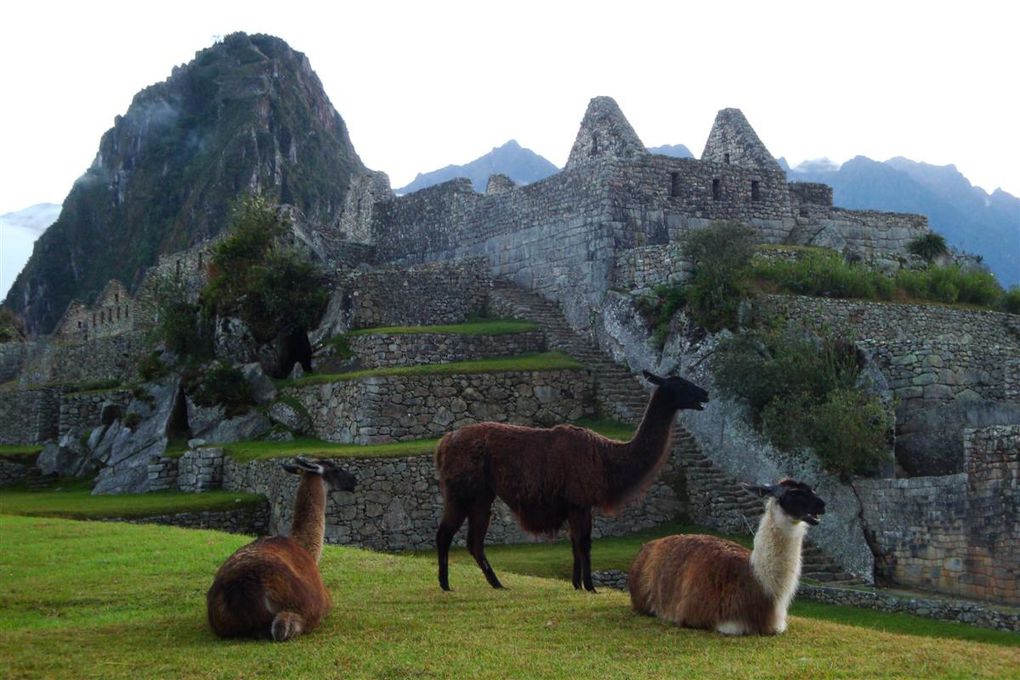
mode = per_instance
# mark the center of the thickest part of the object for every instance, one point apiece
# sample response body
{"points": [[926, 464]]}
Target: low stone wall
{"points": [[379, 350], [29, 416], [395, 408], [250, 519], [397, 504], [12, 358], [957, 533], [12, 472], [83, 409], [944, 609], [163, 474]]}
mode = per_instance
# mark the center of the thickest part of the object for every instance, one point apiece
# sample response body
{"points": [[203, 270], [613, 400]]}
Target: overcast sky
{"points": [[425, 84]]}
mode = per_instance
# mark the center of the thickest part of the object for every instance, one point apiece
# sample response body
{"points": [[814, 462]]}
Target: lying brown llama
{"points": [[548, 476], [271, 587], [712, 583]]}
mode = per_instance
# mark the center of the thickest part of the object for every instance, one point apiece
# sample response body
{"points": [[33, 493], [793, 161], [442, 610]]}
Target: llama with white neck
{"points": [[708, 582]]}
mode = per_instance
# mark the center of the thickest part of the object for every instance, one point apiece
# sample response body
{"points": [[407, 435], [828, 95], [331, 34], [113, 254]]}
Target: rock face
{"points": [[127, 446], [248, 114]]}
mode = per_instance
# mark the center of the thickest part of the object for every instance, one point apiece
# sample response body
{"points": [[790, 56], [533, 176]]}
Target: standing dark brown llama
{"points": [[272, 587], [549, 476]]}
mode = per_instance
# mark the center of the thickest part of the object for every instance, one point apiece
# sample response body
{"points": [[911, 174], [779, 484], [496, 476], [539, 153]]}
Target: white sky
{"points": [[425, 84]]}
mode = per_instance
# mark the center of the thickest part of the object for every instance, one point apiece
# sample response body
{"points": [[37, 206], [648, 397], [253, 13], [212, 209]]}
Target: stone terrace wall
{"points": [[12, 358], [29, 416], [959, 533], [395, 408], [427, 294], [888, 322], [112, 357], [83, 409], [648, 266], [376, 351], [397, 504]]}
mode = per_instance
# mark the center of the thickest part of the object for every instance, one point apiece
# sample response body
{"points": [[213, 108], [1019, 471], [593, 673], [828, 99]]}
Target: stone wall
{"points": [[251, 519], [406, 349], [83, 409], [395, 408], [108, 358], [397, 504], [12, 358], [29, 416], [12, 472], [198, 470], [643, 268], [423, 295], [958, 533]]}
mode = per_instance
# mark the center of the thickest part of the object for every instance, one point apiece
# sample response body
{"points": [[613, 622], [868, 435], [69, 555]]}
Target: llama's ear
{"points": [[291, 468], [652, 378], [759, 491], [307, 465]]}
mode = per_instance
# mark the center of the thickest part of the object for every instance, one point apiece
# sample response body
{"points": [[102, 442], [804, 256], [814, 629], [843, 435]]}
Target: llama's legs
{"points": [[580, 539], [286, 625], [478, 526], [453, 517]]}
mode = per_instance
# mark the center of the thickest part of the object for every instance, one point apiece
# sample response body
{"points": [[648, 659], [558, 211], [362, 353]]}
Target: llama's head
{"points": [[795, 499], [682, 394], [336, 478]]}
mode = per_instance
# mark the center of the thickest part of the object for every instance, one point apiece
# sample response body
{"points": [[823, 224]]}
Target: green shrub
{"points": [[220, 384], [801, 392], [825, 274], [180, 326], [255, 278], [132, 420], [850, 431], [11, 327], [929, 246], [1011, 300], [720, 281], [152, 368], [658, 309]]}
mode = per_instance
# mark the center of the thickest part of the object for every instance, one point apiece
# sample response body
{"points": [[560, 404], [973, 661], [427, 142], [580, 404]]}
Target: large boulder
{"points": [[210, 424], [70, 457], [127, 446]]}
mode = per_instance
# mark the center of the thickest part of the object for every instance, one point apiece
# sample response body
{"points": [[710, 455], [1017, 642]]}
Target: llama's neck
{"points": [[775, 559], [630, 466], [310, 514]]}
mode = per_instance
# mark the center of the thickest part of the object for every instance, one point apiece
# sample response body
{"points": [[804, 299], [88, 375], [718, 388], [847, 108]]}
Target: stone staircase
{"points": [[618, 394]]}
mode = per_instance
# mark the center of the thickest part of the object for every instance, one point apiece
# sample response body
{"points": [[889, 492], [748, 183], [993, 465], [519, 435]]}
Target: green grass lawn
{"points": [[316, 448], [20, 452], [73, 499], [554, 560], [545, 361], [481, 327], [126, 601]]}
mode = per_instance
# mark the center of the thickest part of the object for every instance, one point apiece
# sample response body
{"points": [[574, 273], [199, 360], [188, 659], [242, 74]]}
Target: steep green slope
{"points": [[248, 114]]}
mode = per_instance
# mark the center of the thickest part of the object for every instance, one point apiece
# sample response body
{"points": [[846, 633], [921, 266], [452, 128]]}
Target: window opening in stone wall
{"points": [[804, 212], [716, 189], [116, 298], [755, 190], [118, 312], [674, 184], [125, 311], [726, 158], [594, 144], [200, 260], [178, 267]]}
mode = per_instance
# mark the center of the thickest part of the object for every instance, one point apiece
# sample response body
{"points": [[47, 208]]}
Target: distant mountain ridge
{"points": [[522, 165], [18, 231], [971, 219], [247, 114]]}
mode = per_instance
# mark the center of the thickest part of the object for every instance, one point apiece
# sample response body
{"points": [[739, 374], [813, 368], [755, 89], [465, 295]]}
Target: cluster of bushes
{"points": [[720, 280], [826, 274], [221, 384], [802, 391], [252, 276]]}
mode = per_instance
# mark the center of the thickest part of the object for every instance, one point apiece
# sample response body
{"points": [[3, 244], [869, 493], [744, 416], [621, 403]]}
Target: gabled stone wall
{"points": [[29, 416]]}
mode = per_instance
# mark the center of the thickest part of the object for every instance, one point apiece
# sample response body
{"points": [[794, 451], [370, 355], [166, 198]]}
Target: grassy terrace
{"points": [[128, 602], [259, 450], [19, 452], [73, 500], [486, 327], [546, 361]]}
